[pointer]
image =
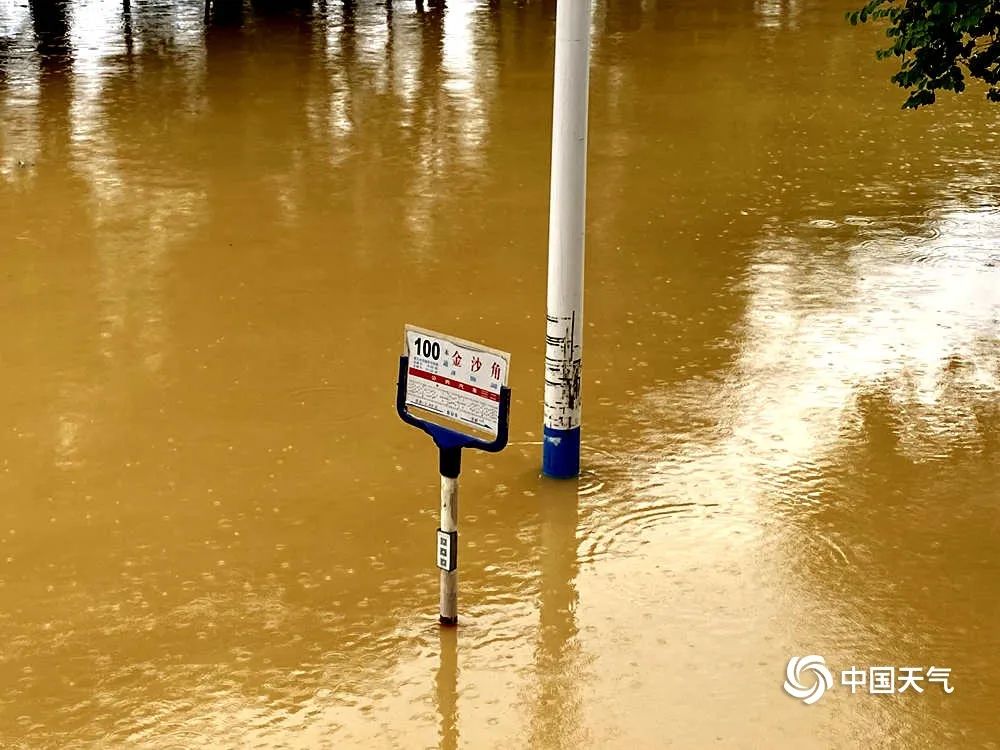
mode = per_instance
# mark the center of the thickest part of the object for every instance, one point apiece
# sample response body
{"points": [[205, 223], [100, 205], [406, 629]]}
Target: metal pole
{"points": [[451, 464], [567, 204]]}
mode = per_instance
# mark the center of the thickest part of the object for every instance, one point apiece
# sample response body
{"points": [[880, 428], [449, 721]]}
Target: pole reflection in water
{"points": [[447, 687], [556, 718]]}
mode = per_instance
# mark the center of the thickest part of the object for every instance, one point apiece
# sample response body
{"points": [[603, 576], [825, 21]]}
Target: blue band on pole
{"points": [[561, 453]]}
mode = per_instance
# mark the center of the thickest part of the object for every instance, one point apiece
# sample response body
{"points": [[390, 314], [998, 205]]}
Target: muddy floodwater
{"points": [[214, 529]]}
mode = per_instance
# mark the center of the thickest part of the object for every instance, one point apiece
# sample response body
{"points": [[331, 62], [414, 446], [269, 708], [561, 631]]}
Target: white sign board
{"points": [[454, 378]]}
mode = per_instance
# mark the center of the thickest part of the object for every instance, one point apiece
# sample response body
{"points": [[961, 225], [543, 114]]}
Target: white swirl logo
{"points": [[798, 665]]}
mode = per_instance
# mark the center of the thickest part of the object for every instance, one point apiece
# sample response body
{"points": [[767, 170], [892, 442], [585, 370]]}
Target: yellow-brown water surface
{"points": [[214, 530]]}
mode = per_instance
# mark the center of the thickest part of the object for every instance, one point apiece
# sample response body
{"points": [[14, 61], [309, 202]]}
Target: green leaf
{"points": [[938, 43]]}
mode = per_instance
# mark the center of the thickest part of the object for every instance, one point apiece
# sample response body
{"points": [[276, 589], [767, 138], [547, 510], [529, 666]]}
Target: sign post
{"points": [[466, 384]]}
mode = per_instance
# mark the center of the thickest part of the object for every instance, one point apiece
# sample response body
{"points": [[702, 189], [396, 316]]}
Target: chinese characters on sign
{"points": [[455, 379]]}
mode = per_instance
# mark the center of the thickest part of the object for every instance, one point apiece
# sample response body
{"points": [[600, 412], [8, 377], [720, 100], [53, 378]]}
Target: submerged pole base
{"points": [[561, 453]]}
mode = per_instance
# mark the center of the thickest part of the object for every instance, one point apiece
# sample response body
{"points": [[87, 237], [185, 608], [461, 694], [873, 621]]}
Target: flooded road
{"points": [[214, 530]]}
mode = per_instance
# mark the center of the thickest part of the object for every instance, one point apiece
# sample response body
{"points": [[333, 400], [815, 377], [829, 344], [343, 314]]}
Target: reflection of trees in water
{"points": [[431, 117], [139, 164], [889, 546], [51, 23], [860, 415], [283, 9], [887, 505], [362, 104], [910, 497], [223, 13], [51, 172]]}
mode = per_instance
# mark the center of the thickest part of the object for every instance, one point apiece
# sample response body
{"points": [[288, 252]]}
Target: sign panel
{"points": [[455, 378]]}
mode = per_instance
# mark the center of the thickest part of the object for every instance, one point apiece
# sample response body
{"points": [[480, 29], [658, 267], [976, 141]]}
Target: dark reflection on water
{"points": [[51, 24]]}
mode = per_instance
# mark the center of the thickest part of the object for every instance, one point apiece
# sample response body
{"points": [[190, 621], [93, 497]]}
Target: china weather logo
{"points": [[807, 678]]}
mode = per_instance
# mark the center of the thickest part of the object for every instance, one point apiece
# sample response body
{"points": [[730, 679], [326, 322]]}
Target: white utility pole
{"points": [[567, 205]]}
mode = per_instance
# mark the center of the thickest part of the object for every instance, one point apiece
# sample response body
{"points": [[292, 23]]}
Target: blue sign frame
{"points": [[450, 442]]}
